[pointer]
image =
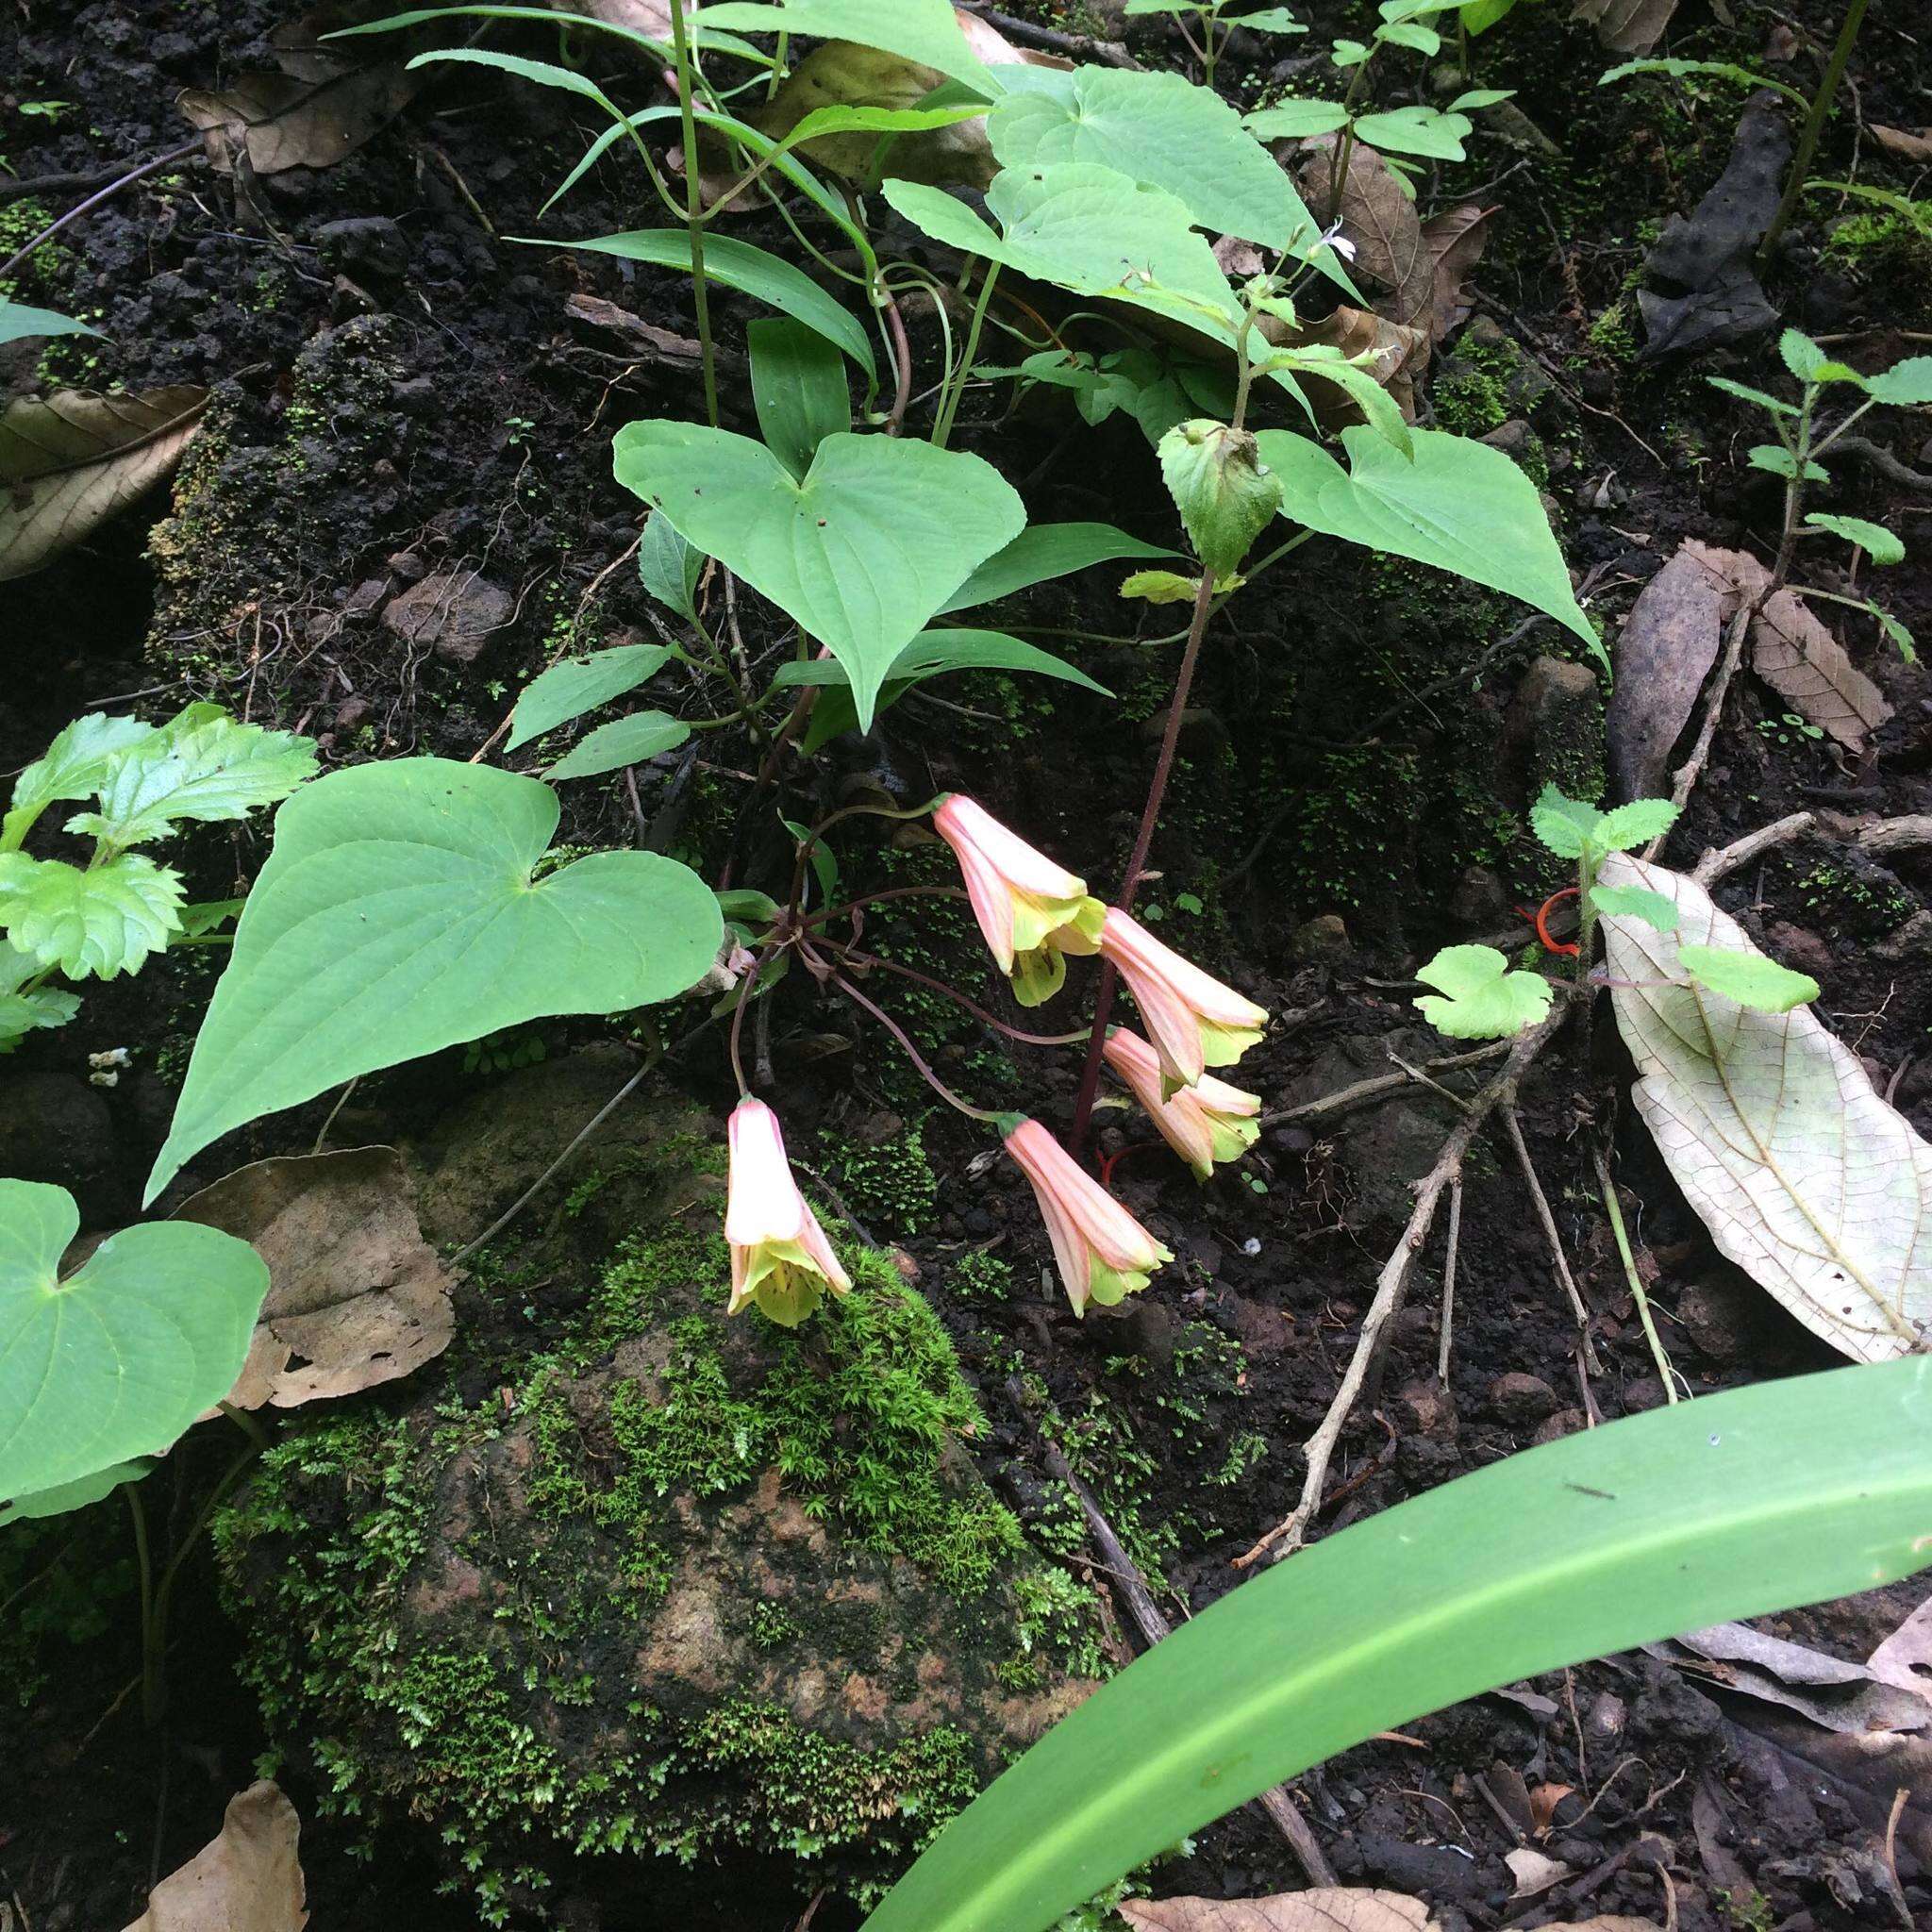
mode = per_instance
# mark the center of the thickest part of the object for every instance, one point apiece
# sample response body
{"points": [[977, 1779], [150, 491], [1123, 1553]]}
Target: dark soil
{"points": [[398, 400]]}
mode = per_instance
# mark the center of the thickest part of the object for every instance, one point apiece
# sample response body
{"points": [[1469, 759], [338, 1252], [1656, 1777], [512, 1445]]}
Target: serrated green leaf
{"points": [[1657, 910], [1484, 998], [1404, 33], [399, 913], [1271, 20], [89, 924], [1875, 540], [1564, 825], [1624, 827], [1161, 131], [1749, 978], [1800, 354], [1745, 393], [569, 689], [1781, 463], [1042, 551], [1896, 632], [878, 536], [21, 1013], [1225, 494], [1716, 70], [1905, 383], [1727, 1506], [203, 766], [1348, 52], [623, 741], [72, 767], [118, 1359], [1457, 506]]}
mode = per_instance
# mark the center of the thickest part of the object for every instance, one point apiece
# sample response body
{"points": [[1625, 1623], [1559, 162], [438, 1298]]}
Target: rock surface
{"points": [[663, 1584]]}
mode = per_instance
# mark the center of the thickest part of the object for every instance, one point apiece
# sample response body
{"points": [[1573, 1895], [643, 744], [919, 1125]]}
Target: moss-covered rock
{"points": [[671, 1586]]}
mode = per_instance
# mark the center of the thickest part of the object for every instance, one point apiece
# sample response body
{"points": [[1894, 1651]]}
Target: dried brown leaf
{"points": [[275, 122], [1380, 220], [1806, 1180], [1627, 27], [1665, 651], [248, 1878], [1609, 1921], [648, 17], [1398, 355], [1831, 1692], [1903, 143], [355, 1295], [1454, 240], [1534, 1872], [1905, 1659], [1806, 666], [68, 461], [1322, 1908]]}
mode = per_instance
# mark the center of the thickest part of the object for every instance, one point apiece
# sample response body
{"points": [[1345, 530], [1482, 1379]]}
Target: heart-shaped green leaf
{"points": [[872, 541], [118, 1359], [400, 912], [1485, 999]]}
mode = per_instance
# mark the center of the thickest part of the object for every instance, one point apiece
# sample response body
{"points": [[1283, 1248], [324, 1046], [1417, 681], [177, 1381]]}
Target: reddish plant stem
{"points": [[1143, 843], [832, 912], [953, 992], [902, 358], [921, 1065]]}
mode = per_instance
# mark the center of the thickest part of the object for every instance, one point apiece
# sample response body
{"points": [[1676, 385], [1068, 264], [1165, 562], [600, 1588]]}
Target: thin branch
{"points": [[1394, 1282], [1449, 1281], [1562, 1261]]}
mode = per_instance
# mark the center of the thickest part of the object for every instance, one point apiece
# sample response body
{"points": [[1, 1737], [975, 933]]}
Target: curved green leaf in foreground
{"points": [[118, 1359], [402, 912], [1731, 1506]]}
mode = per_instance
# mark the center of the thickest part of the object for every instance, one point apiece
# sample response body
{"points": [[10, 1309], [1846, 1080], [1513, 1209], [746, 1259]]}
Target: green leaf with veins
{"points": [[870, 543], [1749, 978], [204, 766], [1563, 824], [1457, 506], [21, 1013], [1420, 40], [1624, 827], [1875, 540], [1479, 996], [579, 685], [64, 1498], [1164, 132], [1896, 632], [1907, 384], [1781, 463], [1044, 551], [92, 923], [1657, 910], [1161, 586], [623, 741], [73, 766], [118, 1359], [1225, 494], [1802, 356], [669, 568], [1417, 130], [1745, 393], [925, 31], [1295, 120], [400, 912]]}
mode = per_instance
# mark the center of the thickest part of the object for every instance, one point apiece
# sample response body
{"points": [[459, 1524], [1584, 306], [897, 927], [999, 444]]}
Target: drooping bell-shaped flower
{"points": [[1030, 910], [780, 1258], [1104, 1254], [1205, 1124], [1192, 1021]]}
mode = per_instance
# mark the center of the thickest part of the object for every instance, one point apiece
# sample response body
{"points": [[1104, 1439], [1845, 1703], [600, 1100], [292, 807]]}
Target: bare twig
{"points": [[1154, 1626], [1449, 1281], [1080, 47], [1689, 772], [1394, 1281], [1586, 1348], [1884, 463], [1346, 1097], [94, 201], [1727, 859]]}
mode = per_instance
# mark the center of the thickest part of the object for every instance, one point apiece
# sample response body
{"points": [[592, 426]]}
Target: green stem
{"points": [[150, 1657], [1814, 126], [1612, 1207], [955, 388], [1344, 150], [693, 206]]}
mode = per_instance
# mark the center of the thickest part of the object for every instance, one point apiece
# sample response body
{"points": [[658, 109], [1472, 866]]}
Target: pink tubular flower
{"points": [[1103, 1251], [1030, 910], [1194, 1021], [780, 1258], [1205, 1123]]}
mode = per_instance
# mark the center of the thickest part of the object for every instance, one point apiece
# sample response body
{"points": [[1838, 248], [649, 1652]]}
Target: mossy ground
{"points": [[462, 1610]]}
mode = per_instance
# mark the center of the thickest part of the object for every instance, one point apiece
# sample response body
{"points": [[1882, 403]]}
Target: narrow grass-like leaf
{"points": [[1727, 1506]]}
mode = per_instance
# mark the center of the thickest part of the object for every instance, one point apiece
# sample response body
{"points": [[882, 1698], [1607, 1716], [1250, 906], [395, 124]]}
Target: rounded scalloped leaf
{"points": [[118, 1359], [401, 912]]}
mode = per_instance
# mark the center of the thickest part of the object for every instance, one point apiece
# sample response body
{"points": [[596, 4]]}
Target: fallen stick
{"points": [[1394, 1281], [1154, 1626]]}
